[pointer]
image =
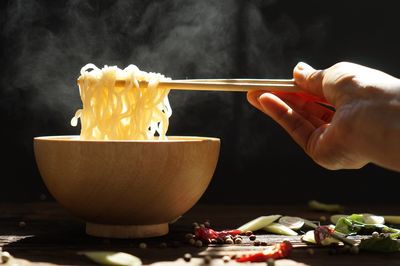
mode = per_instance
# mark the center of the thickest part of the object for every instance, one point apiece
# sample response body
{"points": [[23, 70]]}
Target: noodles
{"points": [[126, 112]]}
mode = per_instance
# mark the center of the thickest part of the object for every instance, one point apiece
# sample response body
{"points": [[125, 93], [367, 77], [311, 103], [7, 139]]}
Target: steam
{"points": [[47, 42]]}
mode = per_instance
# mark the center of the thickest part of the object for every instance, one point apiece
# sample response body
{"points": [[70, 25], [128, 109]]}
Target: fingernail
{"points": [[302, 71]]}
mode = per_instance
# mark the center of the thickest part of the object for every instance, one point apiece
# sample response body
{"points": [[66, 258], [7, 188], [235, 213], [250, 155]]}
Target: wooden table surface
{"points": [[44, 233]]}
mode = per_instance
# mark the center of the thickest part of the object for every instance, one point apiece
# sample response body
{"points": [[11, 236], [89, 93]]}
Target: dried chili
{"points": [[277, 251], [208, 235]]}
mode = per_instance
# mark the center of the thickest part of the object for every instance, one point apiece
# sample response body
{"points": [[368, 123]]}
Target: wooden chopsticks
{"points": [[239, 85], [234, 85]]}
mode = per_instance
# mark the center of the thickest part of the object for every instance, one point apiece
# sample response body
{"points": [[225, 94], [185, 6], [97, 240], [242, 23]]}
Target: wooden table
{"points": [[44, 233]]}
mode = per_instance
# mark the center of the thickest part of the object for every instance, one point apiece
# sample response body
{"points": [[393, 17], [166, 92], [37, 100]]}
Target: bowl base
{"points": [[126, 231]]}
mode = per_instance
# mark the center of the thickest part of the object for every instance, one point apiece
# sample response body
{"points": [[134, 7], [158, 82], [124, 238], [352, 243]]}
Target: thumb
{"points": [[309, 79]]}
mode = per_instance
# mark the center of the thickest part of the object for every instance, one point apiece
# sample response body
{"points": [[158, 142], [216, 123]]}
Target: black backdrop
{"points": [[45, 43]]}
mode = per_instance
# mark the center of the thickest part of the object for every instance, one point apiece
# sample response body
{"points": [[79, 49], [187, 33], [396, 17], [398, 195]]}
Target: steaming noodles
{"points": [[127, 112]]}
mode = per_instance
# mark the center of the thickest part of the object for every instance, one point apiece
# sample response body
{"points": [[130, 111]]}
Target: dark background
{"points": [[45, 43]]}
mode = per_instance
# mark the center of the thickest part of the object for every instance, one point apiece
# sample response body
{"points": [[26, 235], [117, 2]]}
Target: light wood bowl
{"points": [[127, 189]]}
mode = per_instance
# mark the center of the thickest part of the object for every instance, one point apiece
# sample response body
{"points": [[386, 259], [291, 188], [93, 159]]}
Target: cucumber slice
{"points": [[280, 229], [113, 258], [259, 223], [294, 223]]}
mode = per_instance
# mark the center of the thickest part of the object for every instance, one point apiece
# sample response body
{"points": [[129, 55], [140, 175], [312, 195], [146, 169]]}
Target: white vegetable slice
{"points": [[113, 258], [280, 229], [294, 223], [373, 219], [309, 237], [259, 223]]}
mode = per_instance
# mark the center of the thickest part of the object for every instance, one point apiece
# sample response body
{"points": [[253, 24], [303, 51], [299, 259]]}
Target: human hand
{"points": [[363, 126]]}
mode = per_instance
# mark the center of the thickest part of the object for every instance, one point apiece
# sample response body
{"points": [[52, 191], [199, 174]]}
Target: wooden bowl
{"points": [[127, 189]]}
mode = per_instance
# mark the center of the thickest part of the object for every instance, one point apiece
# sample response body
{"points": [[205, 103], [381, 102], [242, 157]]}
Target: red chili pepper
{"points": [[207, 234], [321, 233], [277, 251]]}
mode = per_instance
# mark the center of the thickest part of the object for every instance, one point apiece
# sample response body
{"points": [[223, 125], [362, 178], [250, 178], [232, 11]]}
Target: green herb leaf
{"points": [[355, 224], [380, 245], [319, 206]]}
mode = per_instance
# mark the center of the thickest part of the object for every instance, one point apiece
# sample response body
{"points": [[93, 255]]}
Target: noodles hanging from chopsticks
{"points": [[127, 112]]}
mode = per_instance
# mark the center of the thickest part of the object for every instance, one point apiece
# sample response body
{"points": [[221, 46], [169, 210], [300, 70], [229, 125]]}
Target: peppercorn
{"points": [[346, 248], [229, 241], [248, 233], [175, 244], [4, 257], [238, 240], [187, 257], [214, 241], [189, 236], [220, 240], [322, 218], [207, 259], [195, 224], [226, 259], [332, 251], [252, 237], [375, 234], [263, 243], [22, 224], [43, 197], [163, 245], [271, 262], [142, 245], [192, 241], [202, 226], [207, 224], [354, 250], [310, 251], [198, 243], [256, 243]]}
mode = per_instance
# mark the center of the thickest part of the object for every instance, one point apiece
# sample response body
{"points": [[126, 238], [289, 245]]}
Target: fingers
{"points": [[296, 125], [309, 79], [306, 107], [310, 110]]}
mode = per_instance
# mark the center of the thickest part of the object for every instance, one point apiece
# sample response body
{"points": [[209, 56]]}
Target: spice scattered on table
{"points": [[207, 235], [4, 256], [22, 224], [207, 259], [226, 259], [277, 251], [187, 257]]}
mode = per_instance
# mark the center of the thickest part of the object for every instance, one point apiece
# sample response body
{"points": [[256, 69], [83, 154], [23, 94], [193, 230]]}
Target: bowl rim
{"points": [[170, 139]]}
